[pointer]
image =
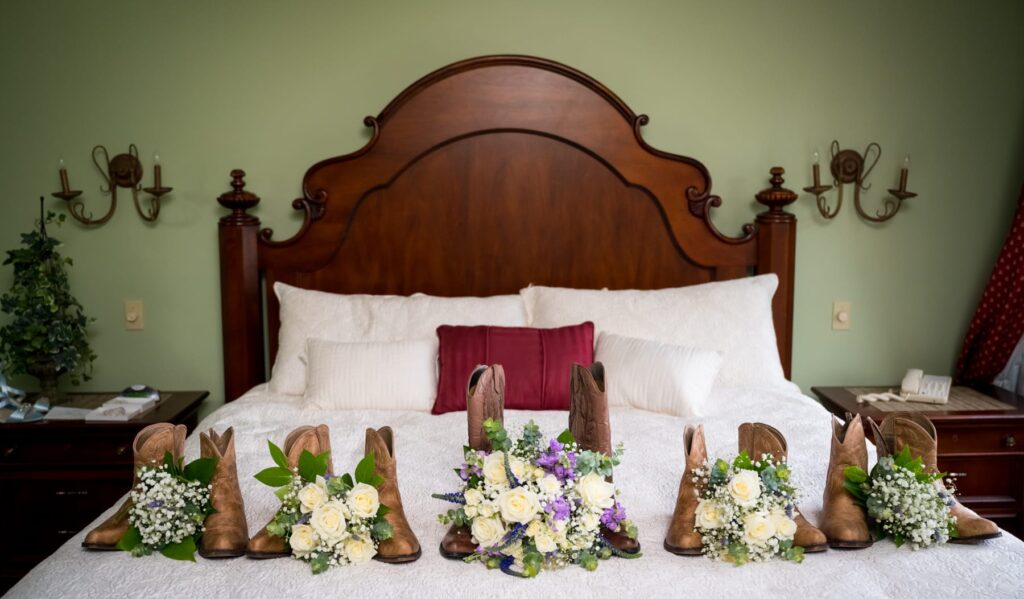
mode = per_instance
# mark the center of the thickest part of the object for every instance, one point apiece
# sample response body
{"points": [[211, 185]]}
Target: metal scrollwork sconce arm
{"points": [[123, 170], [850, 166]]}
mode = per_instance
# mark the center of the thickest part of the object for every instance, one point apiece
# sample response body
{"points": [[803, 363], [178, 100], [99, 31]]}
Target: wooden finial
{"points": [[777, 197], [238, 201]]}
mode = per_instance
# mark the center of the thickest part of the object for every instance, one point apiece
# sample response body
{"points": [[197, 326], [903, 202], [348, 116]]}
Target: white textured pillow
{"points": [[657, 377], [381, 375], [732, 317], [359, 318]]}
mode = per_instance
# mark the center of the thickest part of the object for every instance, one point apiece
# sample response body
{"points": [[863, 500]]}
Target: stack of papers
{"points": [[121, 408]]}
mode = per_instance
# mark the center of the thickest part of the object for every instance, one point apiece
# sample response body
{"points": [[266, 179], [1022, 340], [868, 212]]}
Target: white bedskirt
{"points": [[428, 447]]}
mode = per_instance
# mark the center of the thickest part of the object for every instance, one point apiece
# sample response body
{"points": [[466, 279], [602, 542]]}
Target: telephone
{"points": [[916, 386]]}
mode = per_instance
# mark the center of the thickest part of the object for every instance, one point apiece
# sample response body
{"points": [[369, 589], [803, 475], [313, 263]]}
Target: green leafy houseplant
{"points": [[46, 334]]}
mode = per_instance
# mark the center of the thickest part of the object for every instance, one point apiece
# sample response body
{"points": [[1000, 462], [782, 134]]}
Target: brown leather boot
{"points": [[591, 426], [485, 398], [225, 531], [845, 523], [149, 447], [403, 546], [757, 439], [682, 538], [914, 430], [315, 440]]}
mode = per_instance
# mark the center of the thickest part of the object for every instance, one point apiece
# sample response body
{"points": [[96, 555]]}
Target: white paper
{"points": [[63, 413]]}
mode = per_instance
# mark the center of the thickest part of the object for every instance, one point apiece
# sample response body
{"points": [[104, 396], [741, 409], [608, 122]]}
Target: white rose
{"points": [[745, 488], [758, 528], [709, 515], [549, 485], [470, 510], [473, 496], [536, 528], [784, 525], [518, 505], [596, 491], [545, 543], [487, 509], [303, 540], [494, 469], [537, 472], [313, 495], [518, 468], [359, 551], [363, 500], [590, 521], [487, 532], [328, 521]]}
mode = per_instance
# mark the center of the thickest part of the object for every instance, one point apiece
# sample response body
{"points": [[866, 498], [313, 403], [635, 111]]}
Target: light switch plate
{"points": [[133, 315], [841, 316]]}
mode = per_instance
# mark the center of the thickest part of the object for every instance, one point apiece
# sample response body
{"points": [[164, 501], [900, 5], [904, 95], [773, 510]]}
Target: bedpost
{"points": [[776, 252], [241, 312]]}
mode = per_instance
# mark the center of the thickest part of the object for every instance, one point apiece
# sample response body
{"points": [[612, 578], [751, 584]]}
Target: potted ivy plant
{"points": [[46, 334]]}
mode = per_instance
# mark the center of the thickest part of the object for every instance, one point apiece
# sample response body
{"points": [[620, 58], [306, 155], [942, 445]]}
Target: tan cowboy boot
{"points": [[843, 521], [485, 398], [914, 430], [402, 547], [315, 440], [590, 425], [149, 447], [682, 538], [225, 532], [757, 439]]}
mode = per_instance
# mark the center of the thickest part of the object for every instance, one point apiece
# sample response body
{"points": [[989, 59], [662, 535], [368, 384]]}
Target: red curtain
{"points": [[998, 323]]}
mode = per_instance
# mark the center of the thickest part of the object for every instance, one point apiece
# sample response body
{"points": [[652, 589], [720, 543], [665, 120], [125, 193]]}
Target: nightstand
{"points": [[71, 471], [983, 447]]}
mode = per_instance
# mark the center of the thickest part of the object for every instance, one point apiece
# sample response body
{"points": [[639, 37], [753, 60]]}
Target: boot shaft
{"points": [[758, 439], [907, 430], [589, 420], [485, 399], [315, 440], [152, 443]]}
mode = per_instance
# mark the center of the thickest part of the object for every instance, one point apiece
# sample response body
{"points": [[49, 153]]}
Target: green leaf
{"points": [[169, 461], [381, 530], [311, 466], [347, 479], [185, 550], [383, 510], [566, 437], [201, 470], [277, 455], [856, 491], [743, 461], [320, 563], [855, 474], [130, 539], [365, 469], [275, 476]]}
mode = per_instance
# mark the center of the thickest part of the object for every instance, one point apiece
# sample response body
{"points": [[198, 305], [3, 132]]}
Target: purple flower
{"points": [[612, 516], [154, 504], [466, 471], [558, 508]]}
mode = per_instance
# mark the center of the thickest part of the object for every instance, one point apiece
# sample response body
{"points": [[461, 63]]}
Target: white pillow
{"points": [[657, 377], [359, 318], [377, 375], [732, 317]]}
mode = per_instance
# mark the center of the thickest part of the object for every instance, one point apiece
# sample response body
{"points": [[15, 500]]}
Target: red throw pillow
{"points": [[537, 363]]}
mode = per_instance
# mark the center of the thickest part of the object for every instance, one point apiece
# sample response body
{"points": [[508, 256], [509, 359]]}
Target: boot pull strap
{"points": [[881, 444]]}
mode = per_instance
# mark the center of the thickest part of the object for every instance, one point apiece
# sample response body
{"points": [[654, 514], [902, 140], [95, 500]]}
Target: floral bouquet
{"points": [[746, 510], [327, 520], [534, 505], [169, 506], [903, 501]]}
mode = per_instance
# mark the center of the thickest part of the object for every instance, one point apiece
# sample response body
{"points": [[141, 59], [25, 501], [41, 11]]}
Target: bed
{"points": [[481, 178]]}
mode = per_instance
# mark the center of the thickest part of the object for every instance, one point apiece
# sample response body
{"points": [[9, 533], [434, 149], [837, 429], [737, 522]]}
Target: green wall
{"points": [[274, 86]]}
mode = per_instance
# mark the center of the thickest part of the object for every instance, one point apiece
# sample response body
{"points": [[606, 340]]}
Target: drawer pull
{"points": [[122, 450], [1010, 441], [9, 451], [67, 533], [79, 492], [957, 474]]}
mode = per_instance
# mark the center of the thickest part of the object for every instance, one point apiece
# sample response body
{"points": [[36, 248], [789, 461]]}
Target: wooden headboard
{"points": [[481, 178]]}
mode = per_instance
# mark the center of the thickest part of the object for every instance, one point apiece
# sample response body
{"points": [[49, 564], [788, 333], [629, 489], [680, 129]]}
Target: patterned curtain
{"points": [[998, 323]]}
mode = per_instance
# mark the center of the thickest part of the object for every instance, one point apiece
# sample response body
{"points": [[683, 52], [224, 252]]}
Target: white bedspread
{"points": [[427, 447]]}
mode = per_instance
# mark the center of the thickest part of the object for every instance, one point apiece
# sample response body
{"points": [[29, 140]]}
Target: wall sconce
{"points": [[849, 166], [124, 170]]}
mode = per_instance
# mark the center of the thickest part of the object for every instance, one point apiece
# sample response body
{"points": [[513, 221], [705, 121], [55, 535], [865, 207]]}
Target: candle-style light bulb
{"points": [[816, 157], [906, 162], [60, 163], [156, 159]]}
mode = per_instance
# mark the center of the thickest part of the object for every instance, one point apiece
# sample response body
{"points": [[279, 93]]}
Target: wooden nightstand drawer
{"points": [[957, 440], [984, 476], [40, 451]]}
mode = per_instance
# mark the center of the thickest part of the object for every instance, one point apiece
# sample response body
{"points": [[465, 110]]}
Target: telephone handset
{"points": [[916, 386]]}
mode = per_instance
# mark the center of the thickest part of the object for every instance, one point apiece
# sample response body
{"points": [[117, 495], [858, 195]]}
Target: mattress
{"points": [[427, 447]]}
